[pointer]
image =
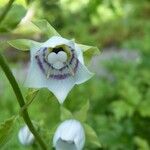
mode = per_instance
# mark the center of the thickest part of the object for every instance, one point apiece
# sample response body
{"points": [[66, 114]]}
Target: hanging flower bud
{"points": [[69, 136], [25, 136]]}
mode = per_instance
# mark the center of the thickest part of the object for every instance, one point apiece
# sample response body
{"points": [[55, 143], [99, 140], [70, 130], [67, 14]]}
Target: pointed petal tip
{"points": [[59, 96], [61, 101], [83, 74], [61, 88]]}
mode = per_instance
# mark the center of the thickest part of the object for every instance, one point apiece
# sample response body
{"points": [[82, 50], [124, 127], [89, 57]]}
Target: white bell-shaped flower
{"points": [[58, 65], [25, 136], [69, 136]]}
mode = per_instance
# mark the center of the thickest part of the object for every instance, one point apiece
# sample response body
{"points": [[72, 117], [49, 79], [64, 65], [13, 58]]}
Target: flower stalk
{"points": [[21, 101], [6, 10]]}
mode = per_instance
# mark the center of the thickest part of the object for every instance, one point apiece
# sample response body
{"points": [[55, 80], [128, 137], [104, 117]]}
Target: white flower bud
{"points": [[25, 136], [69, 136]]}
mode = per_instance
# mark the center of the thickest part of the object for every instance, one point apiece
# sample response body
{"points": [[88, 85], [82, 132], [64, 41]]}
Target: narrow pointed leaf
{"points": [[82, 113], [85, 48], [89, 51], [65, 114], [31, 94], [46, 28], [13, 17], [91, 136], [6, 131], [23, 44]]}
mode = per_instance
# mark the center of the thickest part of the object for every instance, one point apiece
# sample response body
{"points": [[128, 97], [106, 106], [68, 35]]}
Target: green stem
{"points": [[6, 10], [21, 101]]}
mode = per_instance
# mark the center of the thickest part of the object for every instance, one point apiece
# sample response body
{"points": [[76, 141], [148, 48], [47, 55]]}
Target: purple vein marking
{"points": [[76, 66], [40, 63], [60, 76]]}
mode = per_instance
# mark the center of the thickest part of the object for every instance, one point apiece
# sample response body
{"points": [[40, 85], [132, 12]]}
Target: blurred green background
{"points": [[119, 93]]}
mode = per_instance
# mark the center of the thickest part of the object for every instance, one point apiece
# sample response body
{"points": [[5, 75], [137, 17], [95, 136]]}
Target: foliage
{"points": [[6, 131], [118, 107]]}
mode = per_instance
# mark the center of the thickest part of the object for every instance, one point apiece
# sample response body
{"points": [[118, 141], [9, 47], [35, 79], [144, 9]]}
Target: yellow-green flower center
{"points": [[58, 56]]}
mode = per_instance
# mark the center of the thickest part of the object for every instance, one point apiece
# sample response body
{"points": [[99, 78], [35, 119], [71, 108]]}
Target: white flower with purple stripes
{"points": [[57, 65]]}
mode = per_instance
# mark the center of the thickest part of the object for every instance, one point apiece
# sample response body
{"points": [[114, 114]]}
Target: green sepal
{"points": [[6, 130], [91, 136], [31, 94], [23, 44], [81, 115], [65, 114], [89, 51], [46, 28]]}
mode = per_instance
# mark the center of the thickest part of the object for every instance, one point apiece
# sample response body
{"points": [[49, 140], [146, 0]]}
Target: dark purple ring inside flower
{"points": [[47, 68]]}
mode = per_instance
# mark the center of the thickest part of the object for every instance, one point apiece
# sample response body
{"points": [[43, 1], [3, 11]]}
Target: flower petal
{"points": [[82, 74], [64, 145], [58, 40], [25, 136], [79, 53], [60, 88], [35, 77], [34, 50]]}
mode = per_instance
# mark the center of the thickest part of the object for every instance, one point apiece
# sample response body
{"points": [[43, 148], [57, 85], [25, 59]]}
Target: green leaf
{"points": [[3, 45], [23, 44], [121, 109], [65, 114], [89, 51], [91, 135], [87, 48], [50, 133], [31, 94], [29, 1], [6, 130], [82, 113], [46, 28], [143, 108], [141, 143], [13, 18]]}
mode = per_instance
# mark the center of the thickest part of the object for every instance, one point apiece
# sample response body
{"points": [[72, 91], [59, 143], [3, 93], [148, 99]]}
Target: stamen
{"points": [[48, 74], [40, 63], [70, 69]]}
